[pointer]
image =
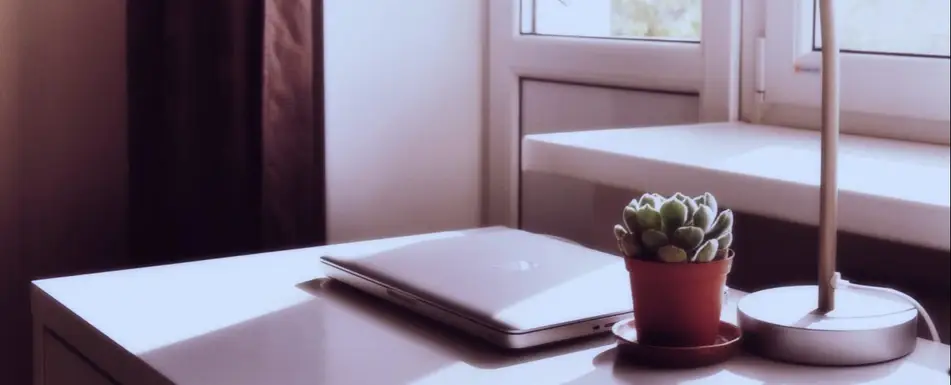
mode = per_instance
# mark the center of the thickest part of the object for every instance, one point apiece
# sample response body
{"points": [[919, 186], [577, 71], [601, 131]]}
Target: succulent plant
{"points": [[675, 229]]}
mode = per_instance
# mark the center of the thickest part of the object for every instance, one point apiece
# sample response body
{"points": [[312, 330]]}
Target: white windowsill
{"points": [[887, 189]]}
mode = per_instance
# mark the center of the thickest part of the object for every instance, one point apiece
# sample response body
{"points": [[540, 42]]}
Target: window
{"points": [[895, 75], [688, 46], [895, 61], [670, 20], [898, 27]]}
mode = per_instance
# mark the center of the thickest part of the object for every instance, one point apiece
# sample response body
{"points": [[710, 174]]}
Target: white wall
{"points": [[404, 98]]}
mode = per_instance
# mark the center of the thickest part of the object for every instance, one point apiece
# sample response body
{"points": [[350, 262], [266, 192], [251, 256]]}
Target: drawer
{"points": [[64, 366]]}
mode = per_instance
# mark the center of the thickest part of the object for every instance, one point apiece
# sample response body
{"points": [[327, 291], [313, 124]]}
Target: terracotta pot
{"points": [[678, 304]]}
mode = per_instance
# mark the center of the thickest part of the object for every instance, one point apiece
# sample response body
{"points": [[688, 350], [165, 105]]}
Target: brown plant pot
{"points": [[678, 304]]}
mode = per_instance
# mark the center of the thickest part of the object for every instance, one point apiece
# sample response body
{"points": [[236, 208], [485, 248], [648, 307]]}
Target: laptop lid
{"points": [[507, 279]]}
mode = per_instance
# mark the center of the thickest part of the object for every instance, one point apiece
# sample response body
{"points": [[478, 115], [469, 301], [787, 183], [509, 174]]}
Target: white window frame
{"points": [[882, 95], [709, 68]]}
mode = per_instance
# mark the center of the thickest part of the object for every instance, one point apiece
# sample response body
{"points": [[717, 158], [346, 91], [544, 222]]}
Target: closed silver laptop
{"points": [[512, 288]]}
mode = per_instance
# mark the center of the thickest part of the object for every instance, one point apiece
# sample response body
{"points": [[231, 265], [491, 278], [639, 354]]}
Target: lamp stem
{"points": [[828, 187]]}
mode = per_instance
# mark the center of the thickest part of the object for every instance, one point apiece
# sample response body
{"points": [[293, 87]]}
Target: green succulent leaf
{"points": [[619, 232], [648, 218], [722, 225], [707, 252], [692, 208], [703, 218], [672, 254], [688, 238], [700, 200], [654, 239], [725, 241], [629, 218], [675, 229], [648, 200], [634, 204], [711, 201], [674, 214], [629, 246]]}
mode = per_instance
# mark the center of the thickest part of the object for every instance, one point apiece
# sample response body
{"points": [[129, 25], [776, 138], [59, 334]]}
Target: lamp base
{"points": [[865, 327]]}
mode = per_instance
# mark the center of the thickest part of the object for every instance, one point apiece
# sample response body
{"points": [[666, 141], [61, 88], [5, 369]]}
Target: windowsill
{"points": [[887, 189]]}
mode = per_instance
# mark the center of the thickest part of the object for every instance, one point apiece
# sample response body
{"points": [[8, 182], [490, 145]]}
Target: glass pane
{"points": [[908, 27], [627, 19], [525, 13]]}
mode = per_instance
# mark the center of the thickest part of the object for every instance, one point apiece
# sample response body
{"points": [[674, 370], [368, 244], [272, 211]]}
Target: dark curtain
{"points": [[224, 145], [293, 124]]}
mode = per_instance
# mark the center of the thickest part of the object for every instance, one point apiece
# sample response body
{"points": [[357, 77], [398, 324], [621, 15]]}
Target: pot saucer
{"points": [[675, 357]]}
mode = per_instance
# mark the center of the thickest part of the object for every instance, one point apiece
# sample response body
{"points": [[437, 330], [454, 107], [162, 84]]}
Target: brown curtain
{"points": [[223, 147], [205, 141], [293, 124]]}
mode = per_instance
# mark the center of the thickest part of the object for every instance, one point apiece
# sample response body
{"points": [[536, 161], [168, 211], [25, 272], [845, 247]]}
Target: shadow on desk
{"points": [[748, 369], [399, 323], [284, 346], [325, 333], [322, 333]]}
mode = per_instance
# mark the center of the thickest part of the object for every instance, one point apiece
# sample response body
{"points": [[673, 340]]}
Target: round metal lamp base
{"points": [[865, 327]]}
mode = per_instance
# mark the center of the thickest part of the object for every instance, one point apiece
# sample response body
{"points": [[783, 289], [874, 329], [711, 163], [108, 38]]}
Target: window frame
{"points": [[890, 106], [709, 69]]}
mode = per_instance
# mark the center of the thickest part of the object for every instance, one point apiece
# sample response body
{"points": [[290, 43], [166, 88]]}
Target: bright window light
{"points": [[899, 27], [645, 45], [895, 66], [672, 20]]}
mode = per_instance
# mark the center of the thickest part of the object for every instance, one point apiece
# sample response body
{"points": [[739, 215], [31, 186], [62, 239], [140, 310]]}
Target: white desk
{"points": [[265, 320]]}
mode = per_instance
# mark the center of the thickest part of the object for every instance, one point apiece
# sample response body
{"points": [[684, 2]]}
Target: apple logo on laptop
{"points": [[517, 266]]}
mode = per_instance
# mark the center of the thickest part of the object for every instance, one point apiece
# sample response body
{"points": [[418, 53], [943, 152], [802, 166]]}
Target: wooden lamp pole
{"points": [[785, 323], [828, 185]]}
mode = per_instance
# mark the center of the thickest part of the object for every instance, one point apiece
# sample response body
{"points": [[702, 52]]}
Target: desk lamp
{"points": [[834, 323]]}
